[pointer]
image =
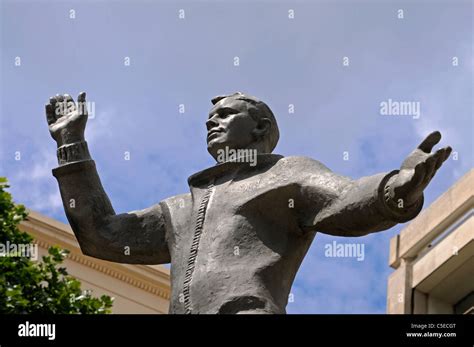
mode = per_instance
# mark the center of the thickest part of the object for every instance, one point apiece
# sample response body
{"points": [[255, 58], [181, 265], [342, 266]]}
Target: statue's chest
{"points": [[227, 212], [233, 220]]}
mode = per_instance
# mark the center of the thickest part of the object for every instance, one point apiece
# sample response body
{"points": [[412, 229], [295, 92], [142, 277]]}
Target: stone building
{"points": [[136, 288], [433, 256]]}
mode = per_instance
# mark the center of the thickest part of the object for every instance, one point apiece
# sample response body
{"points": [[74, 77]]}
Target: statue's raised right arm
{"points": [[137, 237]]}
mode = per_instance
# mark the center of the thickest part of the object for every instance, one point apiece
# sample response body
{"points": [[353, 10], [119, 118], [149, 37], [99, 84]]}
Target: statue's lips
{"points": [[212, 133]]}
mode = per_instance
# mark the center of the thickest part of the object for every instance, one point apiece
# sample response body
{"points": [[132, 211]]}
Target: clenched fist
{"points": [[67, 119]]}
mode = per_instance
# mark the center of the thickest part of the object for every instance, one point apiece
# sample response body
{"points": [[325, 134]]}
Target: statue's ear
{"points": [[263, 127]]}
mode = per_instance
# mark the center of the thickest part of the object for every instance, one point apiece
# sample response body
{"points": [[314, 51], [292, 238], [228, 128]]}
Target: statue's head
{"points": [[240, 121]]}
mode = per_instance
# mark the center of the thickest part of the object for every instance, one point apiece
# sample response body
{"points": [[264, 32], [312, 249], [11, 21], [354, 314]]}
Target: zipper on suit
{"points": [[195, 246]]}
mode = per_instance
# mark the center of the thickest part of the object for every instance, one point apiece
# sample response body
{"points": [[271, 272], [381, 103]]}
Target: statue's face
{"points": [[229, 125]]}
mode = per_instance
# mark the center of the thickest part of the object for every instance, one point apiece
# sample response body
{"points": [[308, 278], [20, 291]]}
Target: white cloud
{"points": [[34, 186]]}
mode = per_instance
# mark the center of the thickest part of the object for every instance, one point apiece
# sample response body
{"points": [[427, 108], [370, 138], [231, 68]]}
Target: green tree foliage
{"points": [[28, 286]]}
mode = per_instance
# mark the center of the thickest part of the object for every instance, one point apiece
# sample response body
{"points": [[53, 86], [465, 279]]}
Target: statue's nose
{"points": [[211, 123]]}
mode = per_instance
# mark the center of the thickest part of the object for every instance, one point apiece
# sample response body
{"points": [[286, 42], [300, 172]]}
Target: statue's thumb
{"points": [[81, 101], [81, 97]]}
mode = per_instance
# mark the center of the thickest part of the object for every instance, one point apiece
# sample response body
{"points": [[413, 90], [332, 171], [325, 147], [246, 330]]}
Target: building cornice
{"points": [[48, 232]]}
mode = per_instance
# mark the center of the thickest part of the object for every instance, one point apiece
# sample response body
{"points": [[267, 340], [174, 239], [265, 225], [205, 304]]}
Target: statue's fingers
{"points": [[447, 152], [440, 157], [429, 142], [444, 154], [81, 97], [81, 103], [50, 115], [54, 104], [59, 106], [69, 103], [418, 174], [430, 165], [68, 98]]}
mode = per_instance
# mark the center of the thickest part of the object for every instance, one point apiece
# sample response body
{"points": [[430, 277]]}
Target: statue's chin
{"points": [[213, 148]]}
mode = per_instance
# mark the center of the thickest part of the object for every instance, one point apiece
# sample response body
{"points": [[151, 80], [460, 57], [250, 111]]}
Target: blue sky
{"points": [[283, 61]]}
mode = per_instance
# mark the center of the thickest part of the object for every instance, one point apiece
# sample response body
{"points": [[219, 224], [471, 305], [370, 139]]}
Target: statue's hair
{"points": [[260, 110]]}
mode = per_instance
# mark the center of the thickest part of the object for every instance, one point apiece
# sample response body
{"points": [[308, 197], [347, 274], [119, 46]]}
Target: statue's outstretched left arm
{"points": [[374, 203]]}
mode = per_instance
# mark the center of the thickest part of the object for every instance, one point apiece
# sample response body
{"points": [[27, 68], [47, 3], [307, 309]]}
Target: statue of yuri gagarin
{"points": [[235, 242]]}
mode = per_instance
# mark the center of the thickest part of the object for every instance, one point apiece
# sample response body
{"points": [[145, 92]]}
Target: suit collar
{"points": [[221, 169]]}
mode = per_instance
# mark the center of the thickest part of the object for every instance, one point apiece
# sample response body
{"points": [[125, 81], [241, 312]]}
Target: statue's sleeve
{"points": [[337, 205], [137, 237]]}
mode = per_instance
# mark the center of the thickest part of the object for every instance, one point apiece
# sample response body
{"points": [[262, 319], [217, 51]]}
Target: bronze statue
{"points": [[236, 241]]}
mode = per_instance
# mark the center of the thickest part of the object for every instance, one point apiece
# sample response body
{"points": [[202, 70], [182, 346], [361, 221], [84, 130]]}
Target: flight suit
{"points": [[236, 241]]}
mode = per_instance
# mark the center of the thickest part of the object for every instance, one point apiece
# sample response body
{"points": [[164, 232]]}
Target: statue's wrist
{"points": [[67, 138], [73, 152]]}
